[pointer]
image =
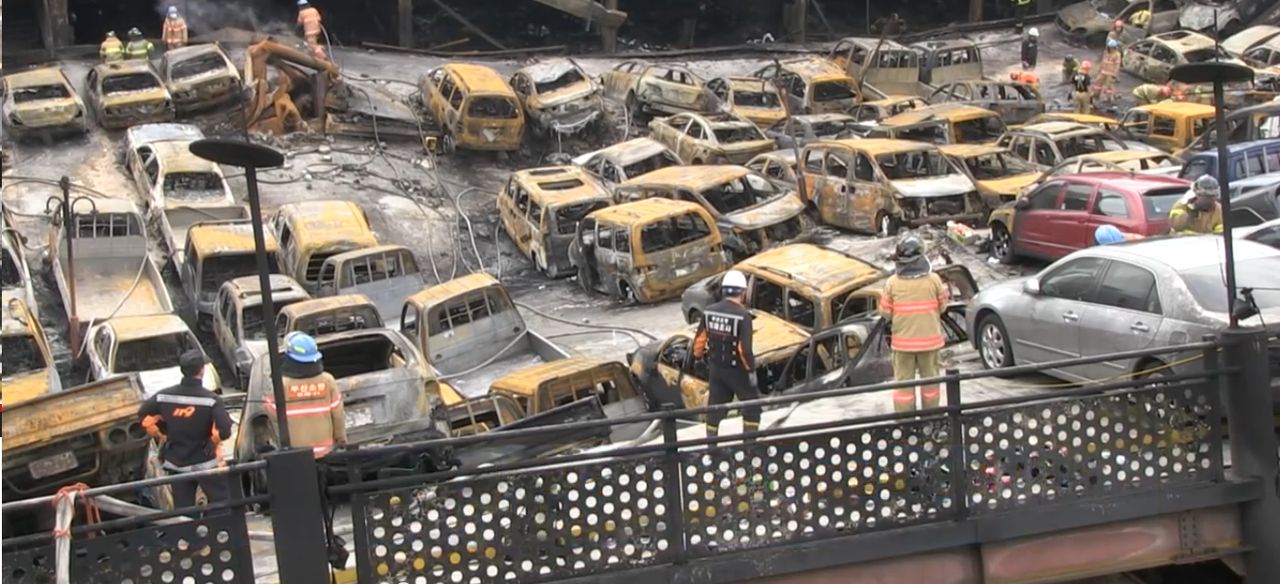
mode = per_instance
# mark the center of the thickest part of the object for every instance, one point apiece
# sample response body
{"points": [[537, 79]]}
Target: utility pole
{"points": [[975, 10]]}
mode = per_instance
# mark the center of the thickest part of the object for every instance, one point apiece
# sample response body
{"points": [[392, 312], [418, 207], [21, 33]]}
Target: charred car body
{"points": [[540, 210], [1015, 102], [199, 77], [238, 319], [724, 138], [41, 101], [624, 160], [647, 89], [558, 96], [127, 93]]}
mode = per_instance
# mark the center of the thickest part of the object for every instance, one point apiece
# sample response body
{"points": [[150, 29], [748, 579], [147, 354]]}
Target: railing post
{"points": [[1215, 392], [955, 455], [674, 499], [1253, 449], [297, 517]]}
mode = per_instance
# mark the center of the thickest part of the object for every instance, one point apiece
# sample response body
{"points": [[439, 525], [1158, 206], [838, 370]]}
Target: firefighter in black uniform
{"points": [[192, 421], [724, 338]]}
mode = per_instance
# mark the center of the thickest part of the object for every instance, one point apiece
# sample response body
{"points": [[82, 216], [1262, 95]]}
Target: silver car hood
{"points": [[941, 186]]}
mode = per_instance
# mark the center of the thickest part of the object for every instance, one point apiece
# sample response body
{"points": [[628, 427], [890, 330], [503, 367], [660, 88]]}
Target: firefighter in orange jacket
{"points": [[191, 422], [175, 30], [309, 20], [315, 413], [724, 338], [912, 301]]}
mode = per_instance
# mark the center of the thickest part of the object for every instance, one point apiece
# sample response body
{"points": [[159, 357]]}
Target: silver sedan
{"points": [[1122, 297]]}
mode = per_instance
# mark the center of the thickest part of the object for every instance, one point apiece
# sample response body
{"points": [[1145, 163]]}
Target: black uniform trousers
{"points": [[727, 383]]}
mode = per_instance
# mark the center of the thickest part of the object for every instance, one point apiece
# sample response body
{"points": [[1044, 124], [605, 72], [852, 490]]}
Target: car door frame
{"points": [[1055, 311], [1026, 240], [1140, 323]]}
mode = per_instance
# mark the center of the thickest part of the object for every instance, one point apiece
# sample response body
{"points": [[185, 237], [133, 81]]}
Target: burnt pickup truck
{"points": [[89, 434]]}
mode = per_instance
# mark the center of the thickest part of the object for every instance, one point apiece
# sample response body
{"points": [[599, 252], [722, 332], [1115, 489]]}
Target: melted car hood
{"points": [[942, 186], [767, 213], [1009, 185], [1201, 17], [563, 95]]}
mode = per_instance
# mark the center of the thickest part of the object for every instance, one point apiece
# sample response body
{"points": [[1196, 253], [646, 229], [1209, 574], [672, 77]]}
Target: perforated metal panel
{"points": [[210, 551], [1080, 447], [533, 526], [824, 484]]}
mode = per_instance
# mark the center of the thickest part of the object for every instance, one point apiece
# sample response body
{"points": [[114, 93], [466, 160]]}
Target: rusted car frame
{"points": [[385, 274], [540, 210], [238, 320], [947, 60], [217, 251], [199, 77], [311, 232], [326, 316], [147, 345], [723, 138], [752, 98], [558, 96], [813, 85], [1015, 102], [947, 123], [128, 93], [41, 101], [660, 88], [544, 387], [883, 64], [625, 160], [474, 106]]}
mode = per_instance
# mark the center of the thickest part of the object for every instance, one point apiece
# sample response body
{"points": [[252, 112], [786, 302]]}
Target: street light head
{"points": [[237, 153], [1210, 71]]}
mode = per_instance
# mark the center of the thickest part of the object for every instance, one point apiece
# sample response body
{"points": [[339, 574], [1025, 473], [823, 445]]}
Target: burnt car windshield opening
{"points": [[935, 133], [915, 164], [128, 83], [492, 107], [29, 94], [160, 352], [1260, 274], [749, 98], [831, 128], [21, 355], [568, 216], [984, 129], [1160, 201], [669, 233], [10, 274], [197, 66], [218, 269], [744, 133], [565, 79], [658, 161], [251, 319], [832, 91], [192, 186], [352, 357], [347, 320], [739, 193], [1078, 145], [1202, 55], [997, 165]]}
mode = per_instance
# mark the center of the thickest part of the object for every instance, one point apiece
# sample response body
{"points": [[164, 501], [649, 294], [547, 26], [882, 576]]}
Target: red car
{"points": [[1060, 216]]}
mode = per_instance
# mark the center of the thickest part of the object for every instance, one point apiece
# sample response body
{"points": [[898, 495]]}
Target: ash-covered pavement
{"points": [[420, 201]]}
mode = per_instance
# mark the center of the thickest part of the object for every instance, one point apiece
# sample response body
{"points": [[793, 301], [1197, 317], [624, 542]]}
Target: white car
{"points": [[167, 174], [146, 345]]}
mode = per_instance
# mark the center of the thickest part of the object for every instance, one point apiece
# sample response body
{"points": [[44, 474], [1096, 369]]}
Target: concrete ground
{"points": [[400, 189]]}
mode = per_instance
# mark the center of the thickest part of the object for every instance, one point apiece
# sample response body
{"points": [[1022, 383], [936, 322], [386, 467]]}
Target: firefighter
{"points": [[912, 301], [1109, 71], [1149, 93], [1069, 66], [1080, 83], [1141, 18], [1031, 46], [1109, 234], [1198, 212], [111, 50], [724, 338], [314, 402], [191, 422], [1026, 76], [309, 20], [138, 47], [1020, 9], [175, 30], [1117, 29]]}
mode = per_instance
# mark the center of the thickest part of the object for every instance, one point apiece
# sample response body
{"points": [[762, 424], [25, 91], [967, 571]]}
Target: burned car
{"points": [[1168, 125], [127, 93], [752, 98], [803, 129], [167, 175], [878, 185], [646, 251], [217, 251], [723, 138], [311, 232], [329, 315], [999, 175], [475, 107], [540, 209], [867, 114], [1015, 102], [146, 345], [199, 77], [28, 371], [1153, 58], [945, 60], [881, 63], [41, 101], [1226, 17], [1107, 123], [778, 166], [813, 85], [946, 123], [647, 89], [558, 96], [541, 388], [1088, 22], [624, 160], [1047, 144], [238, 326], [751, 212]]}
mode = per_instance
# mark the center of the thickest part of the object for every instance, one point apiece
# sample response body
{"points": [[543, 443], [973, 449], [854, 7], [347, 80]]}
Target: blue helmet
{"points": [[173, 11], [1107, 234], [302, 3], [301, 347], [1113, 44]]}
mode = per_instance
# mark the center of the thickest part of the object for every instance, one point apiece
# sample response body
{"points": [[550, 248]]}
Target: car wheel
{"points": [[447, 144], [993, 343], [694, 316], [1001, 244], [886, 225], [697, 162]]}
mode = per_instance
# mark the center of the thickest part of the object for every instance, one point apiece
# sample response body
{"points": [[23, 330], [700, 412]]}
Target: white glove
{"points": [[1188, 197]]}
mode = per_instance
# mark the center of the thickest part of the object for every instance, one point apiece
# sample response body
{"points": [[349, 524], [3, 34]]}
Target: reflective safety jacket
{"points": [[1141, 18], [309, 20], [1149, 93], [314, 409], [175, 31], [1184, 219], [1110, 63], [112, 50], [192, 419], [140, 49], [725, 336], [914, 308]]}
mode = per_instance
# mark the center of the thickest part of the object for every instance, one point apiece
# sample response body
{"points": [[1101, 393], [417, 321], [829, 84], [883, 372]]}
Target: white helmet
{"points": [[734, 279], [1035, 32]]}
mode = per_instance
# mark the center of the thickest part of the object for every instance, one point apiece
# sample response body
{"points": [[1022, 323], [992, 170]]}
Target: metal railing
{"points": [[677, 501]]}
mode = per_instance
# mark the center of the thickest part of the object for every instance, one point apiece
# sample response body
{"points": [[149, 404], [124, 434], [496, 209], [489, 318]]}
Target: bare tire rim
{"points": [[993, 354]]}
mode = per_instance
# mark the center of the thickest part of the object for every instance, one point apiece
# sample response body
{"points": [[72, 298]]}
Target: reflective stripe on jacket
{"points": [[1185, 220], [175, 30], [138, 49], [309, 20], [1111, 63], [914, 308], [111, 50], [316, 415]]}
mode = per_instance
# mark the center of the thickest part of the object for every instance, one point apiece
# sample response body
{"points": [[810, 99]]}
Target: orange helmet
{"points": [[1118, 24], [1015, 75], [1165, 91], [1085, 65]]}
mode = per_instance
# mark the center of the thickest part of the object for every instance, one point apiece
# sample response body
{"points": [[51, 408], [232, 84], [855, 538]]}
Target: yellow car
{"points": [[41, 101], [999, 175], [558, 96], [28, 370], [540, 209], [752, 98], [128, 93], [1169, 125], [724, 138], [947, 123], [474, 106]]}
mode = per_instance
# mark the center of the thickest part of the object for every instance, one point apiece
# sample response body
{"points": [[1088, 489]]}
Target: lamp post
{"points": [[251, 157], [1219, 73]]}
